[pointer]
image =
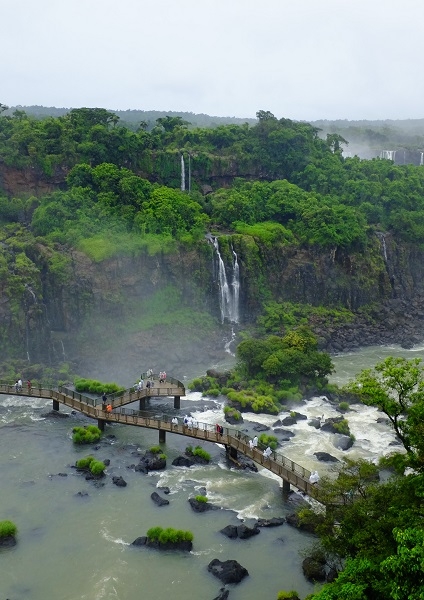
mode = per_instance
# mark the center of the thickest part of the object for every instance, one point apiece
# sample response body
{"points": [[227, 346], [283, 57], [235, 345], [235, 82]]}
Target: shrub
{"points": [[162, 456], [169, 535], [155, 450], [86, 435], [7, 528], [342, 427], [196, 385], [293, 414], [344, 406], [97, 467], [200, 498], [84, 463], [292, 595], [96, 387], [268, 440], [198, 451], [212, 392]]}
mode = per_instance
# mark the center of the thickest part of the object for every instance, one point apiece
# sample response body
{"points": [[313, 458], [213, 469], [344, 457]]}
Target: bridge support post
{"points": [[286, 488], [142, 403], [162, 436], [56, 405], [231, 452], [177, 402], [101, 424]]}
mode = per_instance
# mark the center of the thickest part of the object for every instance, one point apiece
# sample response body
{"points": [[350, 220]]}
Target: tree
{"points": [[396, 387]]}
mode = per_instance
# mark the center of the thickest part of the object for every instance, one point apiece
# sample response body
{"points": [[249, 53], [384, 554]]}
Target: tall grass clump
{"points": [[169, 535], [7, 529], [86, 435], [93, 386]]}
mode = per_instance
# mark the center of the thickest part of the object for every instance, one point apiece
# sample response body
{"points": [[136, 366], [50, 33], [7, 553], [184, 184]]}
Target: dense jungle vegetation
{"points": [[117, 190]]}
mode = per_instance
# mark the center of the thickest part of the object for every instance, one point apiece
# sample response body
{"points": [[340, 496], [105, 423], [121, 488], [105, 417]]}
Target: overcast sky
{"points": [[300, 59]]}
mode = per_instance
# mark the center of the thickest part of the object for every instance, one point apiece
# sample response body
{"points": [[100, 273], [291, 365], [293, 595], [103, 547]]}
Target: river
{"points": [[74, 537]]}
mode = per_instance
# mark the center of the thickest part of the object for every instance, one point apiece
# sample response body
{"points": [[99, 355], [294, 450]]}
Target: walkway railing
{"points": [[276, 463]]}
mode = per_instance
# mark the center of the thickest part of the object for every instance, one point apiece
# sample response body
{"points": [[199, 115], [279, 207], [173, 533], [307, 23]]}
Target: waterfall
{"points": [[228, 295], [388, 154], [382, 239], [421, 159], [182, 174], [63, 351]]}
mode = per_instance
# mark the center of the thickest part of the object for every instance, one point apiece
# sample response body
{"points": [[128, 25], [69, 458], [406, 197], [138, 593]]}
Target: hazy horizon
{"points": [[303, 61]]}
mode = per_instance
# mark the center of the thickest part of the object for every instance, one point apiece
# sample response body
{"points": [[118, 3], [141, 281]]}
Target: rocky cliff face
{"points": [[116, 318]]}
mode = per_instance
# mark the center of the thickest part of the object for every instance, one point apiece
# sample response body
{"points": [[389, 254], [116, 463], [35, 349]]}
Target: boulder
{"points": [[342, 442], [244, 532], [201, 506], [330, 424], [144, 541], [183, 461], [151, 461], [294, 521], [7, 541], [223, 594], [313, 569], [230, 531], [165, 489], [315, 423], [273, 522], [158, 499], [284, 435], [325, 457], [119, 481], [289, 421], [228, 571], [260, 427]]}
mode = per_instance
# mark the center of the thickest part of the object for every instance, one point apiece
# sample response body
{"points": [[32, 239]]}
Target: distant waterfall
{"points": [[388, 154], [381, 236], [421, 159], [182, 174], [229, 294]]}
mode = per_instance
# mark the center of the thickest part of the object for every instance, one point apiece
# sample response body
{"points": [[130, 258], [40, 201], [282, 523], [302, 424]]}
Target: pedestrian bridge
{"points": [[234, 440]]}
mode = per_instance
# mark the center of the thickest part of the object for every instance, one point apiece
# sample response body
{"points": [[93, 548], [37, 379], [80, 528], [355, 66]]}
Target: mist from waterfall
{"points": [[229, 294], [182, 174]]}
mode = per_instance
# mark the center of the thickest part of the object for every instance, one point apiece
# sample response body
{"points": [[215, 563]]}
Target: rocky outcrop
{"points": [[243, 532], [273, 522], [145, 541], [200, 507], [313, 569], [151, 461], [182, 461], [7, 541], [119, 481], [228, 571], [325, 457], [342, 442], [158, 499], [223, 594]]}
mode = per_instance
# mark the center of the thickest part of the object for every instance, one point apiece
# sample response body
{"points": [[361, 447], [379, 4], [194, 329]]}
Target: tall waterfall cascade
{"points": [[388, 154], [229, 293], [182, 174], [421, 159]]}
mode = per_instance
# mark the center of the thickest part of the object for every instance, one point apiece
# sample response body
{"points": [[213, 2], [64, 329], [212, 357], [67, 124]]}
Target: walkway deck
{"points": [[234, 440]]}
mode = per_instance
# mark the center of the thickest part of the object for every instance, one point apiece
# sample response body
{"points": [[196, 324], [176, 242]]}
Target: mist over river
{"points": [[74, 546]]}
